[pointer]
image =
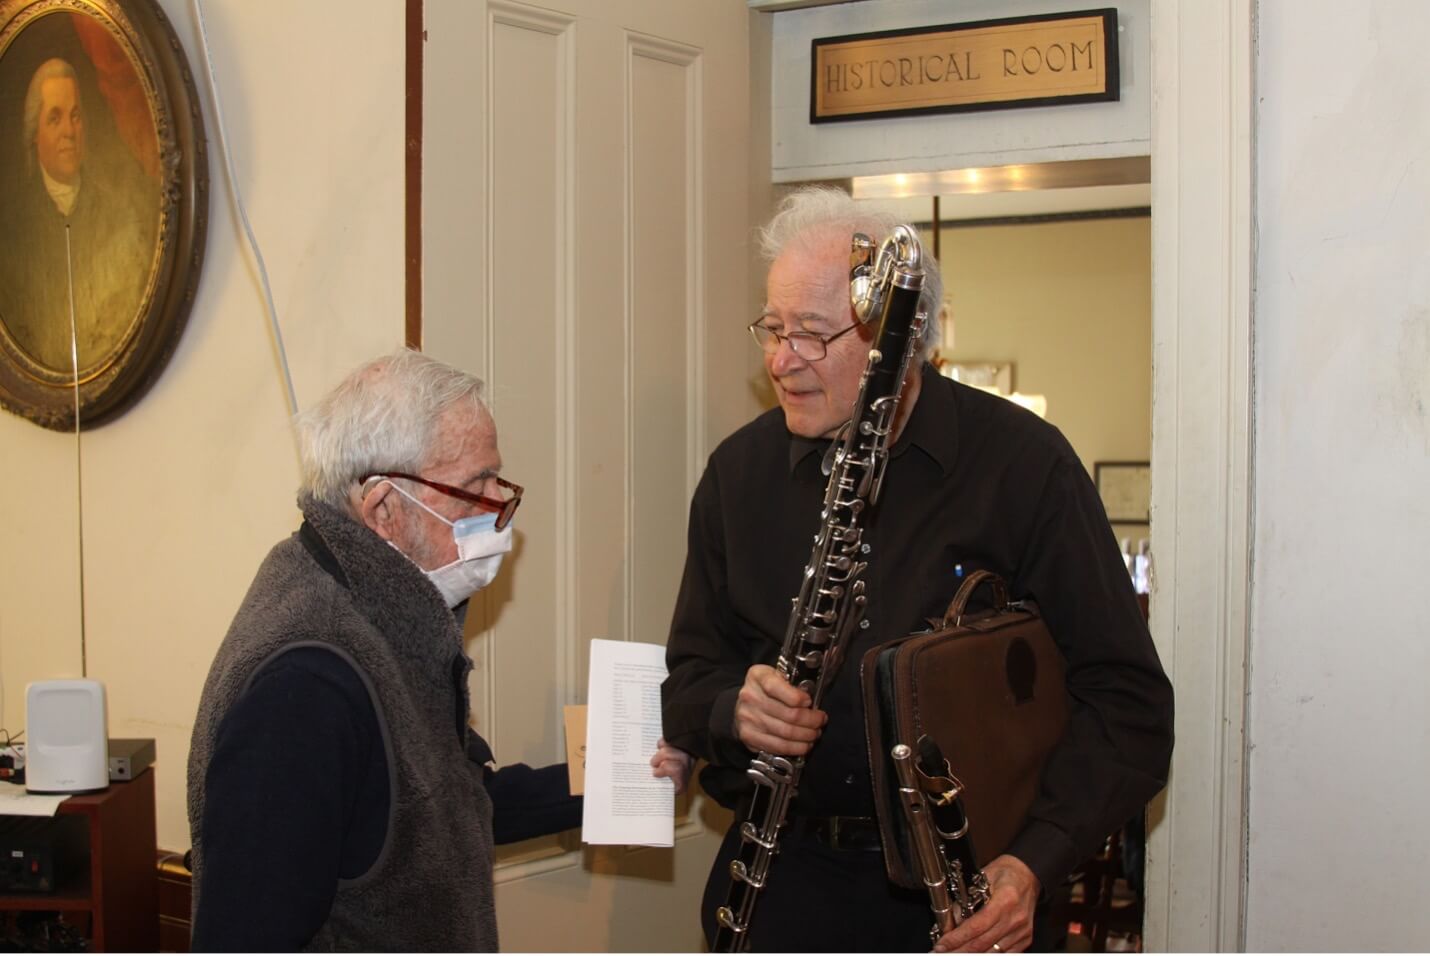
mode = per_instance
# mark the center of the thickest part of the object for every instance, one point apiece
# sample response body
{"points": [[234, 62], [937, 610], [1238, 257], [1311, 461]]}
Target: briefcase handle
{"points": [[953, 617]]}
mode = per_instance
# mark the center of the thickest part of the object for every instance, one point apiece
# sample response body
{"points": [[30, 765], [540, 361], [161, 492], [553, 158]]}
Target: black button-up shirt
{"points": [[974, 482]]}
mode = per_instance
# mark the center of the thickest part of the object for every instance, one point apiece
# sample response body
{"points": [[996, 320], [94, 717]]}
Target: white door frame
{"points": [[1202, 252]]}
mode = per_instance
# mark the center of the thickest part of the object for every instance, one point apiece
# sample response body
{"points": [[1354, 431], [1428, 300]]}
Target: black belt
{"points": [[840, 833]]}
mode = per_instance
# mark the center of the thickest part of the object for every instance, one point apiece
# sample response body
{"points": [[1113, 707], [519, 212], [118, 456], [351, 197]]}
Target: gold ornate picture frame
{"points": [[103, 205]]}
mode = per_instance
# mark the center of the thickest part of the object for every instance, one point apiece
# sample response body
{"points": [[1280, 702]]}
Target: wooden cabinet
{"points": [[113, 899]]}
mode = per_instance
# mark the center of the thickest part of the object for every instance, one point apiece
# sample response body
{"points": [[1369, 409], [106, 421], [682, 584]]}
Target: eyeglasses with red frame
{"points": [[504, 508]]}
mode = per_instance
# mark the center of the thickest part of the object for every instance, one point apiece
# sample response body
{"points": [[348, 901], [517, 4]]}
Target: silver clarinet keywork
{"points": [[885, 284], [938, 829]]}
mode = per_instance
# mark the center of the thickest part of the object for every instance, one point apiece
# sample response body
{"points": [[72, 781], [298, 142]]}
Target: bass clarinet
{"points": [[885, 285]]}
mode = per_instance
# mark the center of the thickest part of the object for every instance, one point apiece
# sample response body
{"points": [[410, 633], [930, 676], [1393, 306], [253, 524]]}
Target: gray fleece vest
{"points": [[431, 887]]}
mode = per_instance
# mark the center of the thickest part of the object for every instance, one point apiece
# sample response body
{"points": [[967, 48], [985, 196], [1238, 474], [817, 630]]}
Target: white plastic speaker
{"points": [[66, 736]]}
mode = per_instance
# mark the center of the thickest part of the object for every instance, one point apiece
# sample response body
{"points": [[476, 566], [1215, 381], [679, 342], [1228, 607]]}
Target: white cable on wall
{"points": [[282, 354], [78, 455]]}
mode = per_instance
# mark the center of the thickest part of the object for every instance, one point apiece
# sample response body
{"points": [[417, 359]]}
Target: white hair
{"points": [[811, 212], [52, 69], [382, 417]]}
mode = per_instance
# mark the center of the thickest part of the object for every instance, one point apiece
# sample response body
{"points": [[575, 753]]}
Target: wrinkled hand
{"points": [[1005, 923], [773, 716], [671, 762]]}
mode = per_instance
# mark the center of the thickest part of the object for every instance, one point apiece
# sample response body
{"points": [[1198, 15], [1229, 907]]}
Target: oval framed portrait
{"points": [[103, 205]]}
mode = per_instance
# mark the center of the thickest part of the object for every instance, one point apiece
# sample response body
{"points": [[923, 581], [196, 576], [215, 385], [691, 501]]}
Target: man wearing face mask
{"points": [[338, 798]]}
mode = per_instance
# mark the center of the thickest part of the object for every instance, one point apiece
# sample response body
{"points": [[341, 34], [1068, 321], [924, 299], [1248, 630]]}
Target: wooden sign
{"points": [[988, 65]]}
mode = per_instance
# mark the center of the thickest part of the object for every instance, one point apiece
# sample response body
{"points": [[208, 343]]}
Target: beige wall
{"points": [[184, 494], [1069, 303]]}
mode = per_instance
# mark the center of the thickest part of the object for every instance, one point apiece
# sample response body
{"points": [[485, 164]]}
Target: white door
{"points": [[586, 251]]}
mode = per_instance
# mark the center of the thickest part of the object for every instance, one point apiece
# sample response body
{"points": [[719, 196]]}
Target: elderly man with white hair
{"points": [[973, 483], [338, 798]]}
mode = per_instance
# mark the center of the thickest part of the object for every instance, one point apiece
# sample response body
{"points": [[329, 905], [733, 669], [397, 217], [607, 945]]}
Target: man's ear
{"points": [[378, 509]]}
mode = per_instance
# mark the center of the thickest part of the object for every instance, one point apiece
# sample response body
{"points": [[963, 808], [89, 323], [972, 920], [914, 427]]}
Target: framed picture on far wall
{"points": [[1126, 490], [103, 204]]}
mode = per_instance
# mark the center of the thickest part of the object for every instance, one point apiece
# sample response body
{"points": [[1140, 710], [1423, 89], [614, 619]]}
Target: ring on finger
{"points": [[997, 948]]}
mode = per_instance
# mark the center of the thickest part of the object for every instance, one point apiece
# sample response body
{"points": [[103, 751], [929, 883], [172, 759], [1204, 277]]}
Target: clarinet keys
{"points": [[726, 918]]}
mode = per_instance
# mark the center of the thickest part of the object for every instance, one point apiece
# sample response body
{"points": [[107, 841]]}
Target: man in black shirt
{"points": [[973, 482]]}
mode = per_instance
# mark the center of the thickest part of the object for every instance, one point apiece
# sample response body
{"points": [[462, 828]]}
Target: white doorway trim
{"points": [[1202, 252]]}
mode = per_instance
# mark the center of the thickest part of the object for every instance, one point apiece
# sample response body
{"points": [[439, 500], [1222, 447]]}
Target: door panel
{"points": [[526, 317], [665, 317], [586, 251]]}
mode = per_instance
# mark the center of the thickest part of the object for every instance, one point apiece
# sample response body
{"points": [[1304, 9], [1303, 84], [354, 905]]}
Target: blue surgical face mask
{"points": [[480, 547]]}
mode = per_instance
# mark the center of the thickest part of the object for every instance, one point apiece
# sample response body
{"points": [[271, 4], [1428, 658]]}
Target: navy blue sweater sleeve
{"points": [[292, 762], [526, 802]]}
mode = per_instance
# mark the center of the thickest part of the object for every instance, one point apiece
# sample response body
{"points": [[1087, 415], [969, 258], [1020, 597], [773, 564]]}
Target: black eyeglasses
{"points": [[810, 346], [504, 508]]}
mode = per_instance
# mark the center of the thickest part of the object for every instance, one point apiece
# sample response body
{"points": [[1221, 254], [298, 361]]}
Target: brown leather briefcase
{"points": [[989, 689]]}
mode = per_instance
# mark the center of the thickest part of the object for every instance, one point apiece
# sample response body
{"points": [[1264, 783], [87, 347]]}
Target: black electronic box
{"points": [[42, 854]]}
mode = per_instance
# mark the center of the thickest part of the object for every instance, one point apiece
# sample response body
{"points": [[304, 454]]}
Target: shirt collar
{"points": [[932, 427], [801, 448], [933, 424], [64, 196]]}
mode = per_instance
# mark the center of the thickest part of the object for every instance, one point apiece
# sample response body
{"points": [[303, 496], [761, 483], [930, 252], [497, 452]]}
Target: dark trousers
{"points": [[819, 899]]}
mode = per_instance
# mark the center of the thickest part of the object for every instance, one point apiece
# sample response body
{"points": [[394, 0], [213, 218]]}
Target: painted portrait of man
{"points": [[79, 194]]}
